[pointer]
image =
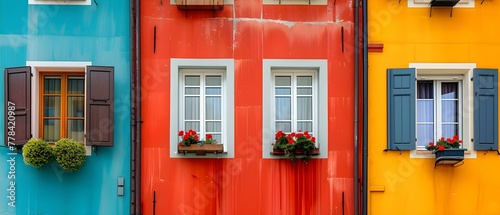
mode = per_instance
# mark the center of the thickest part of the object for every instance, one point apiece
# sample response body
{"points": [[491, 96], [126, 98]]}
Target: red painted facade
{"points": [[248, 32]]}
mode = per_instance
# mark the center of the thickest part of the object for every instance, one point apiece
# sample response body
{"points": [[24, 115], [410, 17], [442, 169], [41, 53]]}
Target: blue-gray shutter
{"points": [[18, 97], [100, 103], [401, 109], [485, 109]]}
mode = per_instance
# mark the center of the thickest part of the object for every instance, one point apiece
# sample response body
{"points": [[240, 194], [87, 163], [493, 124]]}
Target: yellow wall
{"points": [[399, 184]]}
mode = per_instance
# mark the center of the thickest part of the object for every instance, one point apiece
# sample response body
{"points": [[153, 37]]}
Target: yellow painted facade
{"points": [[397, 183]]}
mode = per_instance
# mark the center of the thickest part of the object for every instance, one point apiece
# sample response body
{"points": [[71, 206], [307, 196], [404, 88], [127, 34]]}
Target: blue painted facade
{"points": [[93, 33]]}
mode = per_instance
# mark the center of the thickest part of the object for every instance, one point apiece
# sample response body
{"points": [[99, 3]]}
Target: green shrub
{"points": [[37, 152], [69, 154]]}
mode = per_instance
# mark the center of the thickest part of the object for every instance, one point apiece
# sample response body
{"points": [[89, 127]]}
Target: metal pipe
{"points": [[356, 65], [132, 105], [364, 200], [138, 118]]}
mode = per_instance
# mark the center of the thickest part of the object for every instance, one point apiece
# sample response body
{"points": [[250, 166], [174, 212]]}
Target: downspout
{"points": [[138, 117], [364, 200], [356, 103]]}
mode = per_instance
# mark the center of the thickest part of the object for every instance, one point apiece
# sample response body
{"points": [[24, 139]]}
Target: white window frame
{"points": [[275, 66], [226, 66], [44, 66], [425, 4], [173, 2], [295, 2], [61, 2], [450, 71]]}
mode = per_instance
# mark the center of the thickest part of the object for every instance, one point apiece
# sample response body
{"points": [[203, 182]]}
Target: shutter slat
{"points": [[485, 109], [401, 109], [17, 105], [99, 107]]}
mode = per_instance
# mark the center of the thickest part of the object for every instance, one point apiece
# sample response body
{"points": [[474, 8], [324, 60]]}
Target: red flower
{"points": [[196, 137], [191, 132], [431, 143], [442, 138], [292, 134], [460, 141], [313, 139], [441, 148], [208, 136], [299, 135], [181, 133], [307, 136], [306, 133], [186, 136], [279, 134], [291, 141]]}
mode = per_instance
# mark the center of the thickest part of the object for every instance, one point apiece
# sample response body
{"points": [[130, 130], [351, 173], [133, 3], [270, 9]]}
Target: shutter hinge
{"points": [[472, 139], [472, 79]]}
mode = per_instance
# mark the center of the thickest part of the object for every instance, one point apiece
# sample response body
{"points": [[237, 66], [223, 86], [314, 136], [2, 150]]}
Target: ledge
{"points": [[200, 4], [201, 149]]}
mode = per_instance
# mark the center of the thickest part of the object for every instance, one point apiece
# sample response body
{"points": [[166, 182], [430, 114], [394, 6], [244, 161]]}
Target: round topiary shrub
{"points": [[69, 154], [37, 152]]}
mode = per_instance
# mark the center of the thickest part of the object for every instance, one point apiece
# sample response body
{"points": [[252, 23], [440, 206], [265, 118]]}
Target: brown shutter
{"points": [[17, 105], [99, 106]]}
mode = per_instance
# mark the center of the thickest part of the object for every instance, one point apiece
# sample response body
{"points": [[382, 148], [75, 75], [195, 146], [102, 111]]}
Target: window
{"points": [[202, 98], [296, 2], [54, 100], [295, 98], [60, 2]]}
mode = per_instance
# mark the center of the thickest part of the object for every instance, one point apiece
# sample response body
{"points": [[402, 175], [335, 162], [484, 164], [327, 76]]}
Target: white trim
{"points": [[448, 69], [225, 2], [321, 66], [295, 2], [468, 4], [36, 68], [61, 2], [227, 65]]}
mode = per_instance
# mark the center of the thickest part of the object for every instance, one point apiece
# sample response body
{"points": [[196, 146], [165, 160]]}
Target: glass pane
{"points": [[283, 81], [284, 126], [75, 129], [450, 130], [304, 91], [52, 106], [425, 110], [75, 106], [192, 108], [449, 90], [213, 127], [304, 81], [305, 126], [283, 91], [214, 91], [51, 128], [192, 91], [449, 111], [283, 108], [213, 81], [425, 134], [76, 85], [213, 108], [304, 108], [192, 80], [192, 125], [52, 85], [425, 90], [217, 137]]}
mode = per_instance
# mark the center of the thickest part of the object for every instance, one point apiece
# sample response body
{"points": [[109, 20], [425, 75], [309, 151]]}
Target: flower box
{"points": [[201, 149], [450, 156], [200, 4], [444, 3], [297, 152]]}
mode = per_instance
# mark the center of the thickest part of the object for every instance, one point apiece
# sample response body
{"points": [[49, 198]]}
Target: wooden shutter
{"points": [[99, 106], [401, 109], [17, 105], [485, 109]]}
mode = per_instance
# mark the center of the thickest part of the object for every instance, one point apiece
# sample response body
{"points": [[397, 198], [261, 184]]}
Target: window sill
{"points": [[428, 154], [201, 150]]}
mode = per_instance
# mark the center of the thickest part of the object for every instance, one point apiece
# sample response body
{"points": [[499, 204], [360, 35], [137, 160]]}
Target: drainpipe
{"points": [[364, 200], [356, 65]]}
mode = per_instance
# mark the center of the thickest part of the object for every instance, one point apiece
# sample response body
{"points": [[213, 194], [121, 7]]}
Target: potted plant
{"points": [[447, 148], [295, 145], [37, 152], [69, 154], [190, 143]]}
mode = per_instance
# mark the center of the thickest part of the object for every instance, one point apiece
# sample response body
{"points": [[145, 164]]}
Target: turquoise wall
{"points": [[96, 33]]}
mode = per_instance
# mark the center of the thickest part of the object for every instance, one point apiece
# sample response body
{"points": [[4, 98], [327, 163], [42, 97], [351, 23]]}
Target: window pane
{"points": [[76, 85], [304, 108], [283, 91], [305, 126], [217, 137], [425, 134], [52, 85], [213, 127], [192, 108], [192, 91], [449, 90], [192, 125], [283, 108], [75, 106], [304, 91], [213, 81], [449, 111], [284, 126], [51, 128], [425, 90], [192, 80], [425, 111], [213, 108], [75, 130], [52, 106], [283, 81], [304, 81], [213, 91], [449, 130]]}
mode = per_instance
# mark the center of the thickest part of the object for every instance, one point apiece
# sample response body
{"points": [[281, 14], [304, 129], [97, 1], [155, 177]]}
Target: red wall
{"points": [[248, 32]]}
